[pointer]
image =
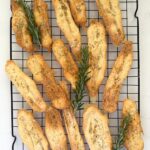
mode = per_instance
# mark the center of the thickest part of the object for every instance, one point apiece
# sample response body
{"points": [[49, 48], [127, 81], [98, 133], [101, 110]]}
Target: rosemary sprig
{"points": [[80, 91], [33, 29], [122, 132]]}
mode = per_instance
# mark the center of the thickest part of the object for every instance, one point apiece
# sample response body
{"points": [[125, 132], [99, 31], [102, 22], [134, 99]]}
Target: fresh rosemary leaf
{"points": [[80, 91], [33, 29], [122, 132]]}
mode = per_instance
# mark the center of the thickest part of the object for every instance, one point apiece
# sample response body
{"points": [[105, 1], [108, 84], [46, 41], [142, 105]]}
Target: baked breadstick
{"points": [[65, 59], [26, 86], [119, 72], [43, 74], [96, 130], [133, 140], [30, 131], [78, 10], [75, 138], [20, 27], [40, 10], [67, 25], [97, 57], [54, 130], [111, 14]]}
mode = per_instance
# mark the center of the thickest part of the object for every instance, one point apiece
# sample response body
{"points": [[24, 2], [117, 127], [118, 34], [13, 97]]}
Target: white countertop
{"points": [[5, 105]]}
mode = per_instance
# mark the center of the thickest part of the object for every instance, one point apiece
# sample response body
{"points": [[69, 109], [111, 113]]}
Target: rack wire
{"points": [[131, 86]]}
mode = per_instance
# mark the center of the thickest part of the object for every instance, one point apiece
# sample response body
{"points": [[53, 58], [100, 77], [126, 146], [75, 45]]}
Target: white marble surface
{"points": [[5, 122]]}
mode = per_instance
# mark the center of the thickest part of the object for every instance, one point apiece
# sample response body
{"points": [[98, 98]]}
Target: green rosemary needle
{"points": [[122, 132], [80, 91], [33, 29]]}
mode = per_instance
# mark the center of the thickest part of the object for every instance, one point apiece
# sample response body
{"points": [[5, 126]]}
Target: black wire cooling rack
{"points": [[131, 86]]}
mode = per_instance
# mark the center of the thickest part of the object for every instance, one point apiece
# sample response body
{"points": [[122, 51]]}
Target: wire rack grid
{"points": [[130, 88]]}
